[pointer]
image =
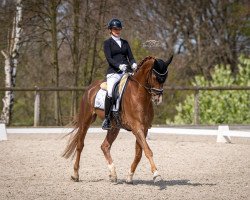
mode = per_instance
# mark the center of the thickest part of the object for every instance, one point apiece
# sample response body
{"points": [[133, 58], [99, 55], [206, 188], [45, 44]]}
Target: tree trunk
{"points": [[93, 65], [11, 62], [53, 11], [76, 56], [233, 58], [87, 42], [8, 98]]}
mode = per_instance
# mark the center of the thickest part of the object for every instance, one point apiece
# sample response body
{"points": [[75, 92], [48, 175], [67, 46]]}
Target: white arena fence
{"points": [[195, 89], [223, 134]]}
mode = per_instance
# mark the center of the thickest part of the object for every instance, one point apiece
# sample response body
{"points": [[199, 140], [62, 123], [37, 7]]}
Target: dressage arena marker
{"points": [[223, 133], [3, 135]]}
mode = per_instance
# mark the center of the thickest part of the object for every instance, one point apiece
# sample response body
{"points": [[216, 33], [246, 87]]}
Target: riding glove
{"points": [[134, 66], [123, 67]]}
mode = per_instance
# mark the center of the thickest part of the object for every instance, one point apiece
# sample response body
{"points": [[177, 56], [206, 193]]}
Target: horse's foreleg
{"points": [[138, 155], [141, 138], [106, 146]]}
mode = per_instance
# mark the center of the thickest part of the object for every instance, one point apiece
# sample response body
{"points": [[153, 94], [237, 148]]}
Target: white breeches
{"points": [[112, 79]]}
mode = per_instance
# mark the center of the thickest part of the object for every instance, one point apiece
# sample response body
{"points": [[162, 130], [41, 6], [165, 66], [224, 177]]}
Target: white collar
{"points": [[116, 38]]}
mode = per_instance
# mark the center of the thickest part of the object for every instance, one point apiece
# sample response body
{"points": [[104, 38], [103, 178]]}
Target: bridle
{"points": [[164, 74], [151, 90]]}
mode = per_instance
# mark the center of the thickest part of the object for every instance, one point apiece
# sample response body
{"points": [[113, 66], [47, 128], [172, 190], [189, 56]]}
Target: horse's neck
{"points": [[141, 75], [137, 87]]}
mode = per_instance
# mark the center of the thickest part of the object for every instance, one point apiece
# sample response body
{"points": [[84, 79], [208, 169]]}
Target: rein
{"points": [[150, 90]]}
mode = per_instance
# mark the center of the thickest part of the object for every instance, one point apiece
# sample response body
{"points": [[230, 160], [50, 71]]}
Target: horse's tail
{"points": [[70, 149], [81, 121], [72, 142]]}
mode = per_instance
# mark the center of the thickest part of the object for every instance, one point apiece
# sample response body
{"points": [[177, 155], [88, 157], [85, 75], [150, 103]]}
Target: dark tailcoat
{"points": [[117, 55]]}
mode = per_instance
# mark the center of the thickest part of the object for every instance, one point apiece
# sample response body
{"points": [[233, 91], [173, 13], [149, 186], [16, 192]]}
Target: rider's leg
{"points": [[106, 125], [112, 79]]}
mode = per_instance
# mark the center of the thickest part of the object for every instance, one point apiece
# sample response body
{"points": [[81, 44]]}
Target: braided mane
{"points": [[144, 60]]}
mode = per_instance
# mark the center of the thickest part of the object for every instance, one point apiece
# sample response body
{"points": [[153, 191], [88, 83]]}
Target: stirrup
{"points": [[106, 125]]}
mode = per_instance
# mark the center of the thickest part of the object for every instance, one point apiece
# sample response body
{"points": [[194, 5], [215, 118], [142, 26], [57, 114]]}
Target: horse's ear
{"points": [[169, 60]]}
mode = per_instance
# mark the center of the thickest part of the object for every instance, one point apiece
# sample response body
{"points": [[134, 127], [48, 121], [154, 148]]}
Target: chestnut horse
{"points": [[143, 87]]}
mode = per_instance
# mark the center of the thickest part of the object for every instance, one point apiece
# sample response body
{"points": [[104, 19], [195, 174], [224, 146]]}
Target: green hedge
{"points": [[218, 107]]}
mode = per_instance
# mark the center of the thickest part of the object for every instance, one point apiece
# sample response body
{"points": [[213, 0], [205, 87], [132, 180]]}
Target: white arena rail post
{"points": [[3, 134], [37, 109], [223, 134]]}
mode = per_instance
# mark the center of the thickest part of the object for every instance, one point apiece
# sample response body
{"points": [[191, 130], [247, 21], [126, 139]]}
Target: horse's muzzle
{"points": [[157, 99]]}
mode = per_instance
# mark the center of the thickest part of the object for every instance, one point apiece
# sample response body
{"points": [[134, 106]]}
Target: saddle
{"points": [[117, 94], [118, 87]]}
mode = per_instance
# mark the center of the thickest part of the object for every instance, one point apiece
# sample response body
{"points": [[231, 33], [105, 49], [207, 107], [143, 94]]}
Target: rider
{"points": [[119, 55]]}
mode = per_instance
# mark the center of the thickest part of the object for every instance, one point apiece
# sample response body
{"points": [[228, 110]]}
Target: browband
{"points": [[160, 73]]}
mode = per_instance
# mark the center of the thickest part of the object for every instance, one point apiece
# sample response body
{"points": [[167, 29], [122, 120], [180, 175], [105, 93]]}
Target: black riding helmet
{"points": [[114, 23]]}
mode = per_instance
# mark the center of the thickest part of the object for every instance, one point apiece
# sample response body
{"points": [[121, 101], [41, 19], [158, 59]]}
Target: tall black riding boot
{"points": [[106, 125]]}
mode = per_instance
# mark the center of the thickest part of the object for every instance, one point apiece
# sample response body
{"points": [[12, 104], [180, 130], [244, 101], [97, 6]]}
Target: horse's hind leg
{"points": [[138, 155], [106, 146], [80, 144]]}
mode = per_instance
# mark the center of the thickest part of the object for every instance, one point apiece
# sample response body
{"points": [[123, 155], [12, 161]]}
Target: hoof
{"points": [[112, 179], [130, 182], [157, 179], [129, 179], [75, 179]]}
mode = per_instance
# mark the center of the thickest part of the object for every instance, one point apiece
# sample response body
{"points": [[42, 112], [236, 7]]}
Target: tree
{"points": [[53, 9], [204, 32], [200, 33], [11, 63], [218, 107], [75, 52], [42, 24]]}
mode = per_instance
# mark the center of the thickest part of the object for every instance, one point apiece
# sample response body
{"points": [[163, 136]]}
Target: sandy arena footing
{"points": [[192, 167]]}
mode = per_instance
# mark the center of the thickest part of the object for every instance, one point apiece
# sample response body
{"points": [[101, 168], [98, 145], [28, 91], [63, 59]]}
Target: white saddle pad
{"points": [[100, 99]]}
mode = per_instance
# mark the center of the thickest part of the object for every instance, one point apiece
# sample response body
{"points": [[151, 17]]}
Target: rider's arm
{"points": [[130, 55], [107, 52]]}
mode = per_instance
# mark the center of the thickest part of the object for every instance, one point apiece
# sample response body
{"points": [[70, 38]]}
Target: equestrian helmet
{"points": [[114, 23]]}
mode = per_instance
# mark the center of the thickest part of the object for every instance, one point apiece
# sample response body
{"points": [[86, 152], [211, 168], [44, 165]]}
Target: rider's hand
{"points": [[123, 67], [134, 66]]}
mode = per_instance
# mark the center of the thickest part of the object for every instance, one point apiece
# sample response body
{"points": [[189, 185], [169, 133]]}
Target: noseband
{"points": [[155, 91], [151, 90]]}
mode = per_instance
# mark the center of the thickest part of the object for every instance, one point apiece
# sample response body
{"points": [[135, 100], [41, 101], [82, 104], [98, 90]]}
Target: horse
{"points": [[143, 88]]}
